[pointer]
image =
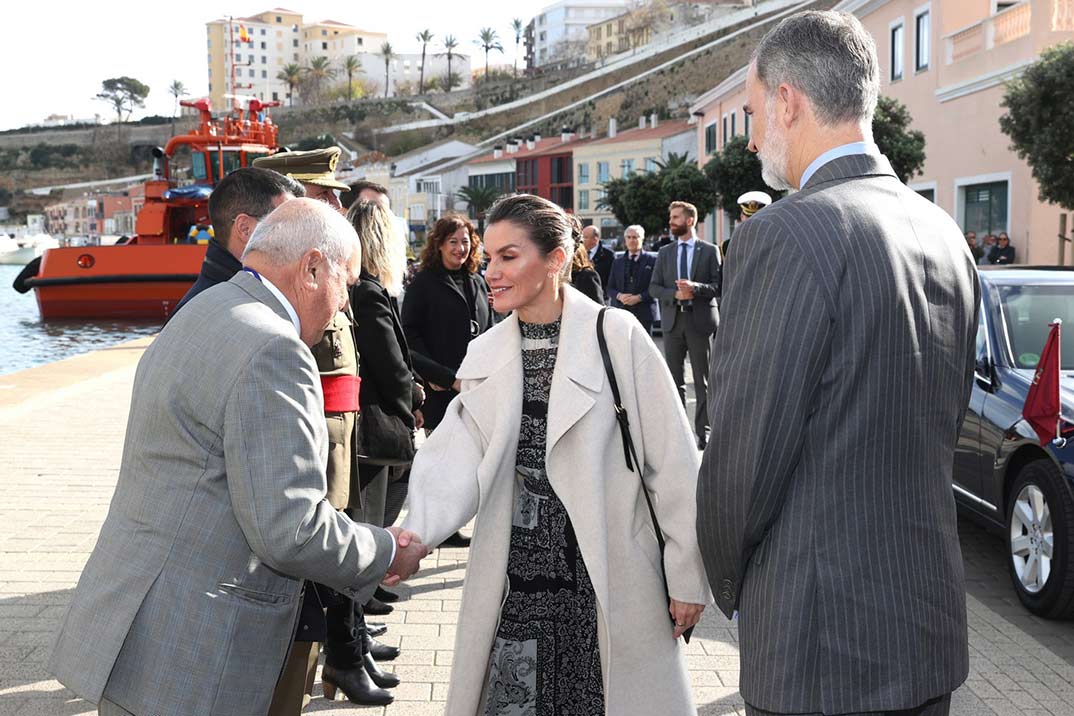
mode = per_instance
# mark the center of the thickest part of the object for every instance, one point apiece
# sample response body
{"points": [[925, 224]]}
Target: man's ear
{"points": [[790, 105], [314, 268], [242, 228]]}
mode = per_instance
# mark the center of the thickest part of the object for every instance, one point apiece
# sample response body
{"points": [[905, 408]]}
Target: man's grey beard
{"points": [[773, 154]]}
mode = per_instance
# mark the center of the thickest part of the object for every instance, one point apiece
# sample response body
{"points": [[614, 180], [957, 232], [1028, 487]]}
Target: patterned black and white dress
{"points": [[546, 660]]}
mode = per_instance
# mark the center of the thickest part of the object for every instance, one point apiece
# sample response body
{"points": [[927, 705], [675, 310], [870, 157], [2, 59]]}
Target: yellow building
{"points": [[274, 39], [619, 155]]}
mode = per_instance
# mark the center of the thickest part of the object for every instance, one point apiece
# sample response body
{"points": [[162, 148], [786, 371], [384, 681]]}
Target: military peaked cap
{"points": [[317, 166]]}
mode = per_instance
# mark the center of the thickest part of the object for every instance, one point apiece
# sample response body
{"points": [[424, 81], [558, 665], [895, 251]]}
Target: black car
{"points": [[1002, 474]]}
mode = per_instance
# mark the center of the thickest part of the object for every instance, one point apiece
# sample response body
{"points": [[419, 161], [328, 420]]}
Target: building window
{"points": [[324, 45], [651, 165], [262, 32], [264, 59], [896, 52], [583, 200], [275, 96], [264, 74], [628, 167], [733, 123], [710, 138], [279, 19], [921, 40], [251, 59], [603, 174], [746, 124], [252, 73], [238, 58], [725, 135], [929, 194], [986, 207], [359, 42], [324, 33], [264, 45], [583, 173], [295, 42]]}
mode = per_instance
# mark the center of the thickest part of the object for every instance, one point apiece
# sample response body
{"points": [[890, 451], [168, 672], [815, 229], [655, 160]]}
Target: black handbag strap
{"points": [[624, 427]]}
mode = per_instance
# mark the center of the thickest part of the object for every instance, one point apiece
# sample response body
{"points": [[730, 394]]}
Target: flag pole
{"points": [[1059, 441]]}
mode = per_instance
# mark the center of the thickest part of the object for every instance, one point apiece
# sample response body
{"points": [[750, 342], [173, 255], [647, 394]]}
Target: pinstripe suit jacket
{"points": [[188, 602], [840, 375]]}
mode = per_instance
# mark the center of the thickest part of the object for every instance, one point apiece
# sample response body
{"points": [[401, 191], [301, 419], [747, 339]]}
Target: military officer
{"points": [[326, 616], [748, 204]]}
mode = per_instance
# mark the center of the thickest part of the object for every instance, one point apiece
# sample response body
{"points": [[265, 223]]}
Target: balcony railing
{"points": [[999, 29]]}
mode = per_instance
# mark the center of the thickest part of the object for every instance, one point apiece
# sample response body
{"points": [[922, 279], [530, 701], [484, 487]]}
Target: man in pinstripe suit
{"points": [[839, 379]]}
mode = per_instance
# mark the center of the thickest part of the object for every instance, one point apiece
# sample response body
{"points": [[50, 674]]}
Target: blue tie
{"points": [[684, 272]]}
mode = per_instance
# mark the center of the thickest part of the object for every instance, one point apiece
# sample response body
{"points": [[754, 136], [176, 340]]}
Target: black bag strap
{"points": [[628, 442]]}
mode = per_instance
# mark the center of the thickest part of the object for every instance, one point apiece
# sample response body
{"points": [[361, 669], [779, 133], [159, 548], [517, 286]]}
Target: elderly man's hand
{"points": [[409, 551]]}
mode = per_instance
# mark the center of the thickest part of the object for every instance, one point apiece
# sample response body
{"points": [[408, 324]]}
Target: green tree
{"points": [[450, 45], [387, 54], [686, 182], [290, 75], [733, 171], [638, 199], [488, 40], [424, 37], [519, 28], [124, 94], [1039, 105], [176, 90], [479, 199], [904, 147], [450, 82], [319, 71], [351, 66]]}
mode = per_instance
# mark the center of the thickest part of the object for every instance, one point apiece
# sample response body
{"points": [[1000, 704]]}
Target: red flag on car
{"points": [[1041, 410]]}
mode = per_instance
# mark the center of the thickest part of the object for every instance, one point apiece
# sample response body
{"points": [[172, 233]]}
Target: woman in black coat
{"points": [[445, 308], [584, 277]]}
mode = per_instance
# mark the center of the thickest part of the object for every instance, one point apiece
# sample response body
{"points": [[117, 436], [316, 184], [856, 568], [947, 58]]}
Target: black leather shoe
{"points": [[380, 652], [383, 679], [356, 684], [378, 608], [456, 540], [385, 596], [376, 628]]}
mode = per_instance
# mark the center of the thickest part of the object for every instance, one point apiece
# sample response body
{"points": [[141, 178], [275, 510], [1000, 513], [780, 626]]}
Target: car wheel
{"points": [[1040, 522]]}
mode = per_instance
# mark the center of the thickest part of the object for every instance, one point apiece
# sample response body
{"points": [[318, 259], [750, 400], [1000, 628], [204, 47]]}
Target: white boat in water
{"points": [[19, 252]]}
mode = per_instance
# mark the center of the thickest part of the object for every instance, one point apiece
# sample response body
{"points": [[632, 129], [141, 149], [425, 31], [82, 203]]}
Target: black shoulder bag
{"points": [[631, 456]]}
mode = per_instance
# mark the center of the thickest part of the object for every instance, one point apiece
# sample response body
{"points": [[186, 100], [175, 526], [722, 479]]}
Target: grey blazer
{"points": [[706, 269], [188, 602], [839, 380]]}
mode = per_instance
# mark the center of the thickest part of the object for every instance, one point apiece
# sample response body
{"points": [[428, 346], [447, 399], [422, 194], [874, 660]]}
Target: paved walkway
{"points": [[62, 428]]}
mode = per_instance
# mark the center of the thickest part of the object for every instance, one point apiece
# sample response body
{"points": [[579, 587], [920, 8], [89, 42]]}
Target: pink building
{"points": [[946, 60]]}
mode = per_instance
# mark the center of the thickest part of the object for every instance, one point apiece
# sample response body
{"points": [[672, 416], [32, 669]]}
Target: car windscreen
{"points": [[1027, 311]]}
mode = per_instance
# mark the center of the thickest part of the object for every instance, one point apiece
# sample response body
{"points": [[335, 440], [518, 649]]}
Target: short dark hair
{"points": [[444, 227], [250, 191], [351, 195]]}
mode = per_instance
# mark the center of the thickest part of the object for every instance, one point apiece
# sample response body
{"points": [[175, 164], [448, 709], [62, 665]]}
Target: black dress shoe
{"points": [[378, 608], [385, 596], [383, 679], [456, 540], [376, 628], [356, 684], [380, 652]]}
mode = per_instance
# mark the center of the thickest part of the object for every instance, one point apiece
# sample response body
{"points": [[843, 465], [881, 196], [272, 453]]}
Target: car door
{"points": [[969, 468]]}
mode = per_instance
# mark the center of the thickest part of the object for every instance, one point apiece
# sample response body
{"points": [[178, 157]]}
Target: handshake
{"points": [[409, 551]]}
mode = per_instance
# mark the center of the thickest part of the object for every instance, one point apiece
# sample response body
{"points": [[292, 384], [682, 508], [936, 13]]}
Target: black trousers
{"points": [[680, 341], [939, 706]]}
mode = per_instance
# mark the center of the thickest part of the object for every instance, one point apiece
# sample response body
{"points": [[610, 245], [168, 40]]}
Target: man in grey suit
{"points": [[188, 601], [686, 281], [840, 376]]}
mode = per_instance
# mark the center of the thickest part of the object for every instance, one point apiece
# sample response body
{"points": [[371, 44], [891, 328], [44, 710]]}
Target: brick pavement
{"points": [[62, 428]]}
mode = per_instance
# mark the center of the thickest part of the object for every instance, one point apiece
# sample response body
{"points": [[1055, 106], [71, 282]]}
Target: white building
{"points": [[405, 70], [559, 30]]}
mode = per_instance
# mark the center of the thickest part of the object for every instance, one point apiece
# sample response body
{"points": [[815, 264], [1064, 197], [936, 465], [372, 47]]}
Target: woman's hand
{"points": [[685, 615], [457, 386], [437, 388], [419, 420]]}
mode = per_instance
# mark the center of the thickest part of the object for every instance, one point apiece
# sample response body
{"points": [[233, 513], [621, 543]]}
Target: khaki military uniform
{"points": [[336, 355]]}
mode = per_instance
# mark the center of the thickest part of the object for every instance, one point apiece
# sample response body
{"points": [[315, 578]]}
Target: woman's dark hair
{"points": [[446, 226], [547, 225]]}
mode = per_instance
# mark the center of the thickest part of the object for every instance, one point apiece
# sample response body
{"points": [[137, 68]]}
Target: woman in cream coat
{"points": [[481, 461]]}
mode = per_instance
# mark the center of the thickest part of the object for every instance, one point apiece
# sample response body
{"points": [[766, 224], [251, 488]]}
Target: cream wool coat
{"points": [[467, 467]]}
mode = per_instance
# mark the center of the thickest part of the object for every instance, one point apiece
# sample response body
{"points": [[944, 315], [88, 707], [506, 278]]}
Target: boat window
{"points": [[232, 161], [1028, 312], [197, 165]]}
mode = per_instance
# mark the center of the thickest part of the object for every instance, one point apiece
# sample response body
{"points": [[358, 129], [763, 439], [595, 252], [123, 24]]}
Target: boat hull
{"points": [[143, 282]]}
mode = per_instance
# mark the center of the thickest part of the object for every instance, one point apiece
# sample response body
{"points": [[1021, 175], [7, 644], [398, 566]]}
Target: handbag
{"points": [[631, 456], [383, 439]]}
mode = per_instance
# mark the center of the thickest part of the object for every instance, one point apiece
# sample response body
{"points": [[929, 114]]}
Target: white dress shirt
{"points": [[843, 150], [283, 300]]}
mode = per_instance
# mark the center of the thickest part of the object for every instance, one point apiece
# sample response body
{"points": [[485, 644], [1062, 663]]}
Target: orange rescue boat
{"points": [[146, 276]]}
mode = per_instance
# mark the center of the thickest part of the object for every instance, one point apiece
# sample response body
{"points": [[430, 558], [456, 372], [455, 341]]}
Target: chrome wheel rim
{"points": [[1032, 539]]}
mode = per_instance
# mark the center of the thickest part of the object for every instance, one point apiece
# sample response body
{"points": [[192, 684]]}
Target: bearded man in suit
{"points": [[840, 376], [188, 602]]}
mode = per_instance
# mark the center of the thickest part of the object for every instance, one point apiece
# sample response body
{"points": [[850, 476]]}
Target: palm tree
{"points": [[488, 40], [479, 199], [291, 75], [519, 28], [177, 90], [388, 54], [352, 66], [450, 43], [320, 69], [424, 37]]}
